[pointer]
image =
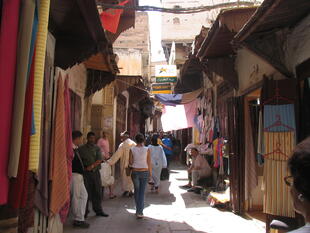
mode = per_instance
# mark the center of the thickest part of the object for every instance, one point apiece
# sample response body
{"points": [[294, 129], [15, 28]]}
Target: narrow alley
{"points": [[173, 210]]}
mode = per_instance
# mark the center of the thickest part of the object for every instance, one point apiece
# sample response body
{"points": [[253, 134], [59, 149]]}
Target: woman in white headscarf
{"points": [[159, 161]]}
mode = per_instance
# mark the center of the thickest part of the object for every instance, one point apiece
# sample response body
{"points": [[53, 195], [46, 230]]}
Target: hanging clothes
{"points": [[59, 194], [260, 141], [65, 209], [8, 47], [35, 140], [23, 52], [42, 188], [19, 185]]}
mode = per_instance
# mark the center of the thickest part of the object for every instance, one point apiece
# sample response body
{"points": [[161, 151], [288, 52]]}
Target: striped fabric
{"points": [[277, 200], [59, 169], [35, 141], [285, 113]]}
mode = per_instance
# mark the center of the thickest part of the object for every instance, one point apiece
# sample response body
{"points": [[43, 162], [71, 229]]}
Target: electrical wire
{"points": [[189, 10]]}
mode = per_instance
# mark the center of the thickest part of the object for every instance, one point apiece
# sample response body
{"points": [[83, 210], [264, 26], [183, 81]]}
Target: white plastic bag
{"points": [[106, 175]]}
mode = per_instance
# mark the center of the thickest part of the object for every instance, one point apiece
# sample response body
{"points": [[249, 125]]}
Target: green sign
{"points": [[166, 79]]}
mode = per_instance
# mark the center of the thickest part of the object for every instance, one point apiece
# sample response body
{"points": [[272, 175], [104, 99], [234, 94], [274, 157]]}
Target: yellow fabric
{"points": [[35, 140], [277, 199]]}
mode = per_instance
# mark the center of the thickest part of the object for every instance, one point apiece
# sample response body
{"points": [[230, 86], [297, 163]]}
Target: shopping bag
{"points": [[164, 175], [106, 175]]}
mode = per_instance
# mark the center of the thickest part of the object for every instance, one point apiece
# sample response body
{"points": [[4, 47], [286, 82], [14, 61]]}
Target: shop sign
{"points": [[161, 88], [166, 73]]}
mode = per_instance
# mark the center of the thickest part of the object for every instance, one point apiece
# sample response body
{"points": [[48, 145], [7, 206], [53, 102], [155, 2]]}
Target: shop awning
{"points": [[123, 82], [77, 28], [103, 62], [96, 80], [260, 33], [228, 23], [274, 14]]}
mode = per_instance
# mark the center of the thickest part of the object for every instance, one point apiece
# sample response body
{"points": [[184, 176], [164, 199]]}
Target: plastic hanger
{"points": [[277, 151], [279, 123]]}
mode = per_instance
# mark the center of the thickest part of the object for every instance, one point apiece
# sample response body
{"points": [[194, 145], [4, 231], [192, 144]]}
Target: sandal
{"points": [[113, 196]]}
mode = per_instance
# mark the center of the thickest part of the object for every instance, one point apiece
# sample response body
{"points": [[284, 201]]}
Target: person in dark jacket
{"points": [[92, 158], [79, 194]]}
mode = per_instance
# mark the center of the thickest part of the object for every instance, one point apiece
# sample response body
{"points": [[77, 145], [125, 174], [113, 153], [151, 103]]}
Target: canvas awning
{"points": [[77, 28], [127, 19], [260, 33], [124, 82], [103, 62]]}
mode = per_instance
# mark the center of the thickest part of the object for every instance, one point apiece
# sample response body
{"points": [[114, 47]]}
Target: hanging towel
{"points": [[277, 200], [19, 185], [8, 47], [284, 113], [59, 168], [23, 52], [65, 209], [38, 83]]}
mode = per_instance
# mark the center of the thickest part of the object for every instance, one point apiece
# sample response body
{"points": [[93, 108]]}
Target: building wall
{"points": [[251, 69], [136, 38], [297, 46], [130, 61]]}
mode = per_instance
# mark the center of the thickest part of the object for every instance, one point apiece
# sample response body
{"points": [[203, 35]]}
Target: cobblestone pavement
{"points": [[173, 210]]}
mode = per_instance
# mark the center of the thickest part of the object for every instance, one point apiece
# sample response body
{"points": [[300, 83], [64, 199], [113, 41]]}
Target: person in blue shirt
{"points": [[168, 146]]}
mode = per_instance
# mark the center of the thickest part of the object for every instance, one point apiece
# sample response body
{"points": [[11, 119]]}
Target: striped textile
{"points": [[65, 209], [59, 170], [277, 200]]}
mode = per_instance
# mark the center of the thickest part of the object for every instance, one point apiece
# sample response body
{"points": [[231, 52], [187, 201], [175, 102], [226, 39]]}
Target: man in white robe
{"points": [[122, 154]]}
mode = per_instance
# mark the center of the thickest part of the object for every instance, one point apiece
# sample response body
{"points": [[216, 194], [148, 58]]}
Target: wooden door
{"points": [[96, 119], [236, 153]]}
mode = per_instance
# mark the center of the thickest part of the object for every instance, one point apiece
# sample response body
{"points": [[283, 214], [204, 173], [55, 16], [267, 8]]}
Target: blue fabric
{"points": [[169, 99], [139, 180], [33, 39], [167, 142], [286, 112], [33, 127]]}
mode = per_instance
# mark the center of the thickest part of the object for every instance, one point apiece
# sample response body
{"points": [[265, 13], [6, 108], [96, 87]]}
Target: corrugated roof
{"points": [[274, 14]]}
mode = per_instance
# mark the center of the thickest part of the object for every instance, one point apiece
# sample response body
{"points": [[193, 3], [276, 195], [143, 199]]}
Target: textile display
{"points": [[19, 185], [70, 154], [59, 168], [23, 52], [277, 200], [26, 214], [179, 116], [260, 141], [8, 47], [35, 140]]}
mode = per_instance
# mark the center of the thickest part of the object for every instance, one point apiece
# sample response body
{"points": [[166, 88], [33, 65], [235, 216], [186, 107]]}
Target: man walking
{"points": [[78, 190], [122, 153], [92, 158]]}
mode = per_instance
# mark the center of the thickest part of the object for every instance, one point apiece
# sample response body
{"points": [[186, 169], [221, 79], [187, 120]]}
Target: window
{"points": [[176, 20]]}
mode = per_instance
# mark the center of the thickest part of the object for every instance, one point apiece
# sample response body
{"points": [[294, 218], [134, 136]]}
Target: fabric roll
{"points": [[23, 51], [38, 83], [59, 169], [65, 209], [19, 185], [8, 47], [279, 113], [277, 199]]}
